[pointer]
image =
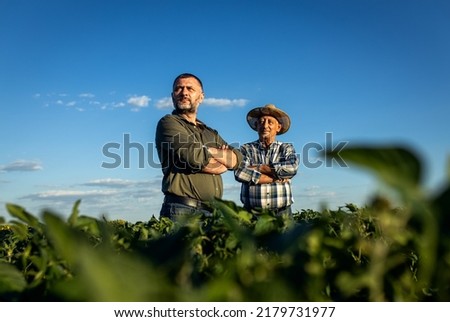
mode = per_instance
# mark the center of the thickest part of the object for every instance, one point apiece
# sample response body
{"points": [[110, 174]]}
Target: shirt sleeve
{"points": [[287, 167], [174, 142], [221, 142], [243, 173]]}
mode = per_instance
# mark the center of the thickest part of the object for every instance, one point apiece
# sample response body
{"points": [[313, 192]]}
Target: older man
{"points": [[268, 165]]}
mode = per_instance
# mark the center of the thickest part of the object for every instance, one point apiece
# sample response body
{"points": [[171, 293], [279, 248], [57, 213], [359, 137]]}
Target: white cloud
{"points": [[317, 191], [312, 188], [139, 101], [136, 102], [111, 197], [164, 103], [86, 95], [225, 102], [21, 165], [110, 182], [121, 183], [120, 104], [63, 195]]}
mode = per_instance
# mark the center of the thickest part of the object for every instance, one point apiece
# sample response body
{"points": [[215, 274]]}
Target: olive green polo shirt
{"points": [[182, 151]]}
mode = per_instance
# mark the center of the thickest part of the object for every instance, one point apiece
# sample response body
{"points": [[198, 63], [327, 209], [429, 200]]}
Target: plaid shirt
{"points": [[281, 157]]}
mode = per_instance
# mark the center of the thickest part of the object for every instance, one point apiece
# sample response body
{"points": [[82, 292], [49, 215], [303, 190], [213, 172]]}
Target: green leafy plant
{"points": [[378, 252]]}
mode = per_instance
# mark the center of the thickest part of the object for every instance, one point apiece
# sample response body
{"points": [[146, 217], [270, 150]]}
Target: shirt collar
{"points": [[261, 146], [199, 124]]}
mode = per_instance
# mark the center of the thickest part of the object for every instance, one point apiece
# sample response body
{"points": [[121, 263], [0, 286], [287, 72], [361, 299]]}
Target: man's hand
{"points": [[224, 155], [214, 167], [267, 175]]}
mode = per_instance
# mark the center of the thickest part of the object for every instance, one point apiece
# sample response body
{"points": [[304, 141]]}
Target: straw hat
{"points": [[255, 114]]}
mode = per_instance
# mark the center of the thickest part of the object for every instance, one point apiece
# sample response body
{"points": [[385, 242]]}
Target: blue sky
{"points": [[78, 75]]}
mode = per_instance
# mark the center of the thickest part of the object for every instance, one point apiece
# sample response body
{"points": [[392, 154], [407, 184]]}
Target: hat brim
{"points": [[255, 114]]}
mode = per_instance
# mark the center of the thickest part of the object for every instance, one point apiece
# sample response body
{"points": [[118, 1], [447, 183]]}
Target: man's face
{"points": [[268, 128], [187, 95]]}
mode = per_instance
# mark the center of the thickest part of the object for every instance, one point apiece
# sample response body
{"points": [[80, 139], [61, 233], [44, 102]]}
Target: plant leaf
{"points": [[20, 213], [11, 279], [75, 213], [100, 274]]}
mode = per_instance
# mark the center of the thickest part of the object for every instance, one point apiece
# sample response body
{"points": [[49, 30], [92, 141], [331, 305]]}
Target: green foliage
{"points": [[374, 253]]}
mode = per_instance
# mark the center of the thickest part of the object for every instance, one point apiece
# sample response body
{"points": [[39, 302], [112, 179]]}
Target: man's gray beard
{"points": [[183, 110]]}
